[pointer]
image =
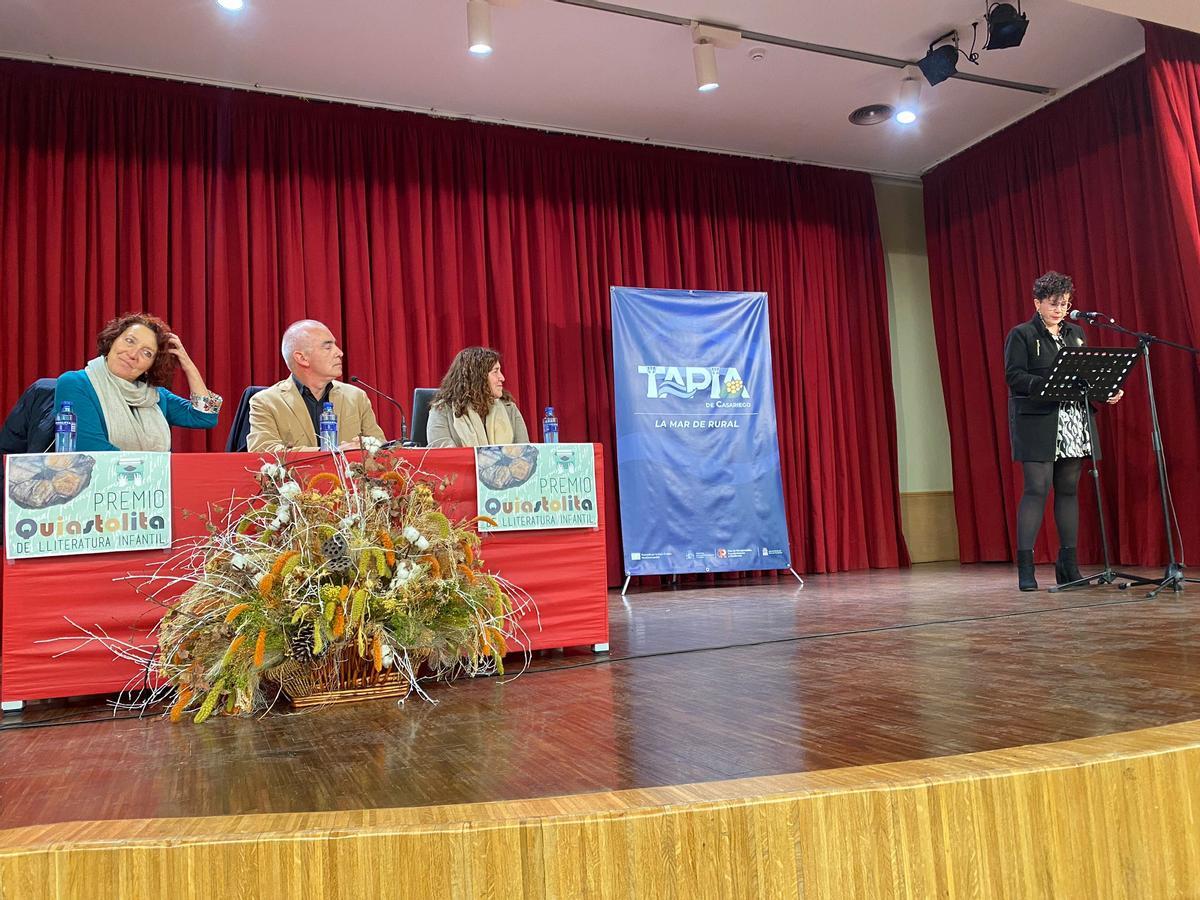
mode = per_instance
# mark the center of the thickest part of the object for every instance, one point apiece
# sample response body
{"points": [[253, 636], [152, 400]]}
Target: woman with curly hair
{"points": [[1050, 439], [119, 398], [472, 408]]}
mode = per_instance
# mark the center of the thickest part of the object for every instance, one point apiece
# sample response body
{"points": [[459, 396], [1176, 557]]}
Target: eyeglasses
{"points": [[1058, 304]]}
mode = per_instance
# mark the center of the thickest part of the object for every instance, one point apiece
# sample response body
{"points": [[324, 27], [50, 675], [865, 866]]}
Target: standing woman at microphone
{"points": [[1049, 438]]}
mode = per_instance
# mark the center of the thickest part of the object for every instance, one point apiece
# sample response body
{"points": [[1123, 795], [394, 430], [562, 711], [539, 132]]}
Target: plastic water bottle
{"points": [[329, 427], [64, 429], [550, 427]]}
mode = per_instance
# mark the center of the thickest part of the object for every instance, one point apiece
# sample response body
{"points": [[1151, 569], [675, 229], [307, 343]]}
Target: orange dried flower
{"points": [[282, 560], [339, 621], [377, 652], [185, 697], [385, 540], [235, 612], [467, 573], [235, 643], [343, 593], [488, 519], [260, 648], [435, 568], [322, 478], [395, 476], [266, 585], [496, 640]]}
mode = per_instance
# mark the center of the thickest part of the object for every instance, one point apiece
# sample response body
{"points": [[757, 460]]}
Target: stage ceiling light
{"points": [[909, 104], [233, 5], [939, 63], [479, 27], [705, 41], [704, 55], [1006, 26]]}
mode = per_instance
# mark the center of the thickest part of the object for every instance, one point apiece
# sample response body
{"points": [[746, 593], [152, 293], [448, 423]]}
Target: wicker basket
{"points": [[336, 679]]}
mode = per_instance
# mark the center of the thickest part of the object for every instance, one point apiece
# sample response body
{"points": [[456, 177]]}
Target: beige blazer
{"points": [[279, 419]]}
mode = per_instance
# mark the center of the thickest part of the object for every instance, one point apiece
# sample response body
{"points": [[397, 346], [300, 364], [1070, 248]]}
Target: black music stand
{"points": [[1086, 375]]}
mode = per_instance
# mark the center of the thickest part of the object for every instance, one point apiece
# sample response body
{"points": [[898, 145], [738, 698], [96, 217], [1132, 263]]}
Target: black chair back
{"points": [[240, 430], [29, 428], [422, 397]]}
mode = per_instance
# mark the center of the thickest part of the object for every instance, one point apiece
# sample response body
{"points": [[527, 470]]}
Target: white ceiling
{"points": [[576, 69], [1176, 13]]}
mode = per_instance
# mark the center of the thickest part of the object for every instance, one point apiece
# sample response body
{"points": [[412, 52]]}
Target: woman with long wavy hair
{"points": [[472, 408]]}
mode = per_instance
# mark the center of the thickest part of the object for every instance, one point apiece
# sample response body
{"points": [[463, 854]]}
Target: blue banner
{"points": [[697, 451]]}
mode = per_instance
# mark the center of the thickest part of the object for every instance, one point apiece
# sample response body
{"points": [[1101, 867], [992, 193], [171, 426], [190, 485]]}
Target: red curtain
{"points": [[232, 214], [1078, 187], [1173, 70]]}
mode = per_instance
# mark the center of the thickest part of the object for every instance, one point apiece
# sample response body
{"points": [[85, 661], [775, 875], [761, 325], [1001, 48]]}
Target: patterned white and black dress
{"points": [[1073, 440]]}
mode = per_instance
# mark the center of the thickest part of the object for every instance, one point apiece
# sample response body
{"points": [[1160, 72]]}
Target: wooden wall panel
{"points": [[930, 529]]}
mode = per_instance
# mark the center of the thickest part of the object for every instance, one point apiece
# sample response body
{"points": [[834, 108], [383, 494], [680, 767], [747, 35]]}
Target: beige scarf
{"points": [[131, 411], [473, 431]]}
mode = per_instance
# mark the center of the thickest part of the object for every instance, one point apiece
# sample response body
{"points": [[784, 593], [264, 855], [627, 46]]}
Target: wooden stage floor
{"points": [[701, 685]]}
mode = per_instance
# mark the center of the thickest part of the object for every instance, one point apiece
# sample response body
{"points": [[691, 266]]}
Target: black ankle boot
{"points": [[1026, 579], [1066, 570]]}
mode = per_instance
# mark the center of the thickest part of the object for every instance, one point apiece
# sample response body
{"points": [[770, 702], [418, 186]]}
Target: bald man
{"points": [[285, 416]]}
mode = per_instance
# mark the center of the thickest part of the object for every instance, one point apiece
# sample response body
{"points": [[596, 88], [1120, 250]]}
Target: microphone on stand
{"points": [[1080, 316], [396, 403]]}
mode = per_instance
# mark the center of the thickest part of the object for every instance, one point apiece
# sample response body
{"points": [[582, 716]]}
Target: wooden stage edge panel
{"points": [[1113, 816]]}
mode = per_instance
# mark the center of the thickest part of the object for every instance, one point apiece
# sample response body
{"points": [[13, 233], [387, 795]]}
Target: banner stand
{"points": [[698, 464]]}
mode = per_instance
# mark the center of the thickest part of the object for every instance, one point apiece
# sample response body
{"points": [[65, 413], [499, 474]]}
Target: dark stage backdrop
{"points": [[231, 214], [1080, 187]]}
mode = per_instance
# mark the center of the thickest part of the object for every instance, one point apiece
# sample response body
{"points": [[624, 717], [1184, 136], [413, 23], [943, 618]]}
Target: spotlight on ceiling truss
{"points": [[1006, 25], [942, 59]]}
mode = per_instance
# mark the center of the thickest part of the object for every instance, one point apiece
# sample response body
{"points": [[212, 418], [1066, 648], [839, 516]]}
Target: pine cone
{"points": [[301, 646]]}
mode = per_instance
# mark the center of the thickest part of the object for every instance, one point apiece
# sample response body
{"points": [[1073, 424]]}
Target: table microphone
{"points": [[396, 403], [1080, 316]]}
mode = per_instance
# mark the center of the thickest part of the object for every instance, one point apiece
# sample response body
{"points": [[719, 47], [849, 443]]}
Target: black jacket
{"points": [[29, 428], [1029, 353]]}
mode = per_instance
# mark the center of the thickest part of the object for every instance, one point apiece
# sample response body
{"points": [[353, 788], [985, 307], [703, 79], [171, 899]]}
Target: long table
{"points": [[563, 570]]}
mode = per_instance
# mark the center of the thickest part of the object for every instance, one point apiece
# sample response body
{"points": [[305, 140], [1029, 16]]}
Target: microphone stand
{"points": [[1173, 576], [396, 403]]}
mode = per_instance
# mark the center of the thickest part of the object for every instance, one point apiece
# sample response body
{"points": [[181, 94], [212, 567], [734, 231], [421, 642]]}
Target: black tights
{"points": [[1064, 473]]}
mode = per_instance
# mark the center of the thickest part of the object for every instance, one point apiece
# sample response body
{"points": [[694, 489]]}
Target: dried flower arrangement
{"points": [[354, 578]]}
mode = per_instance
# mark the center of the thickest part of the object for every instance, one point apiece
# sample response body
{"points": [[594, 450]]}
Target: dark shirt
{"points": [[314, 405]]}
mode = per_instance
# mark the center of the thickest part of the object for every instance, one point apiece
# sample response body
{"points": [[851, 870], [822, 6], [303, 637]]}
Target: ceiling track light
{"points": [[1006, 25], [909, 104], [704, 55], [705, 41], [479, 27], [941, 61], [610, 7]]}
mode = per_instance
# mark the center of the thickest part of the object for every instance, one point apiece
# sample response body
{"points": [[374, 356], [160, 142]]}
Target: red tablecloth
{"points": [[563, 570]]}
